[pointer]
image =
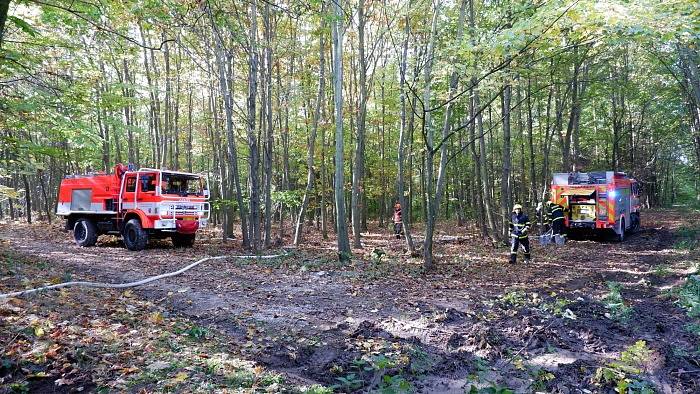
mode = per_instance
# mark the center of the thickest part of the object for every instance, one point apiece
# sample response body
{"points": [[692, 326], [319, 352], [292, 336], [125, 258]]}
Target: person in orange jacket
{"points": [[398, 220]]}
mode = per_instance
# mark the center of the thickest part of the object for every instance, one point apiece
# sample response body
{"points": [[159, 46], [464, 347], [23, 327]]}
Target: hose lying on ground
{"points": [[132, 284]]}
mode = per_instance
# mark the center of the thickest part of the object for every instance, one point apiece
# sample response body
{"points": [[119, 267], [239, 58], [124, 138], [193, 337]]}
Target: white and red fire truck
{"points": [[136, 204], [598, 201]]}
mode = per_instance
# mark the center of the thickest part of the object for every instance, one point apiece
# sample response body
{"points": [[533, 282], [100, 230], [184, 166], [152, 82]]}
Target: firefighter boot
{"points": [[526, 246], [514, 244]]}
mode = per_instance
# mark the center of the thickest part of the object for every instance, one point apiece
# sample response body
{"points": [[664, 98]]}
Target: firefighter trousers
{"points": [[558, 226], [398, 230], [515, 243]]}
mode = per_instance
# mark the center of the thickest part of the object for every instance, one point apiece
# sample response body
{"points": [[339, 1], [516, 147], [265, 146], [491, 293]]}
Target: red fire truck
{"points": [[136, 204], [598, 201]]}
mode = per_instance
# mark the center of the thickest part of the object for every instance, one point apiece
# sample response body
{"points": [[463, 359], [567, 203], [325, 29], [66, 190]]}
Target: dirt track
{"points": [[474, 320]]}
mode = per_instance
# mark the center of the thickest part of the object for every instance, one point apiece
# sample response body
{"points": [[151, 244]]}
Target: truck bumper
{"points": [[171, 224], [582, 224]]}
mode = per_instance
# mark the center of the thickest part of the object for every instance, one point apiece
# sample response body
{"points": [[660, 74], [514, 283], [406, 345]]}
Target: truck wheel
{"points": [[85, 232], [135, 238], [183, 240], [636, 222], [621, 236]]}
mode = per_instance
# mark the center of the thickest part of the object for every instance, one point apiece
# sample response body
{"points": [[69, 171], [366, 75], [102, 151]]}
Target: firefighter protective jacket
{"points": [[519, 225], [555, 212]]}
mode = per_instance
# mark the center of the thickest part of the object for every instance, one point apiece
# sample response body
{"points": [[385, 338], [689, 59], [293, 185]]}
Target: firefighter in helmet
{"points": [[519, 229]]}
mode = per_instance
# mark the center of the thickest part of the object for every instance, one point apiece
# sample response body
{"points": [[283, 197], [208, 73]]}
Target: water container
{"points": [[545, 239]]}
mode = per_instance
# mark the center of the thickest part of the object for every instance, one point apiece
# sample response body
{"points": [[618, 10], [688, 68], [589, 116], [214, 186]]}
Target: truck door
{"points": [[146, 197], [129, 191]]}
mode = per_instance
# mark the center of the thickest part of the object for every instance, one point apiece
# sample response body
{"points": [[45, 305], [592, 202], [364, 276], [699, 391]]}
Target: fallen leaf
{"points": [[181, 377], [158, 366], [38, 331]]}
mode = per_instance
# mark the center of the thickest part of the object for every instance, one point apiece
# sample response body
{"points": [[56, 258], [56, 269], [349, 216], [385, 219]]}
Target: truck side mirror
{"points": [[206, 193]]}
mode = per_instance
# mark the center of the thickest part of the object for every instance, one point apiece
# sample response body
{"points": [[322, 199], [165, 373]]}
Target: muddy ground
{"points": [[384, 324]]}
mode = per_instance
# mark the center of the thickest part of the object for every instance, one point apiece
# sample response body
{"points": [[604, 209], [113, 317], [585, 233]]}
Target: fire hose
{"points": [[136, 283]]}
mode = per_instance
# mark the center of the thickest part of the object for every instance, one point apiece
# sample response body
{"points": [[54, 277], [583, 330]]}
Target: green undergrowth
{"points": [[688, 296], [618, 310], [687, 238], [624, 373]]}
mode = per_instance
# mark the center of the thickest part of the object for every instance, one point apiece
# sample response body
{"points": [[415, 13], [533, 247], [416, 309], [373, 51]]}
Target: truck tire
{"points": [[636, 222], [183, 240], [134, 236], [85, 232]]}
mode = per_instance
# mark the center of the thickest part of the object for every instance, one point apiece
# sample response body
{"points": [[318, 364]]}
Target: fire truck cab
{"points": [[601, 201], [136, 204]]}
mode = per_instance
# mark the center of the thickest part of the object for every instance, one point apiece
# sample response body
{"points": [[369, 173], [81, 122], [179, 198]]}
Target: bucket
{"points": [[559, 239], [545, 239]]}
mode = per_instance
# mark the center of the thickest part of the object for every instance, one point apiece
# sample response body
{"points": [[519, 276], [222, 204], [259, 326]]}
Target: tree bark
{"points": [[312, 139], [344, 253], [505, 174], [4, 7], [27, 198], [225, 84], [406, 216], [429, 136], [253, 143], [269, 138], [358, 164]]}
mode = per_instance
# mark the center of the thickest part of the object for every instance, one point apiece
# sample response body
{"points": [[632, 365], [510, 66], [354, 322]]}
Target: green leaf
{"points": [[22, 24]]}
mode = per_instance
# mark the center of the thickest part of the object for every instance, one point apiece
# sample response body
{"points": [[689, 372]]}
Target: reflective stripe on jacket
{"points": [[556, 212], [519, 225]]}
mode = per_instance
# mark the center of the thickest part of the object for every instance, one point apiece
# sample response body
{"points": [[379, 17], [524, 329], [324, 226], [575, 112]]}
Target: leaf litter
{"points": [[377, 324]]}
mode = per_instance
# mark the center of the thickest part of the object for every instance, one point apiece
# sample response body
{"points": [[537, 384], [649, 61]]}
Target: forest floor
{"points": [[588, 316]]}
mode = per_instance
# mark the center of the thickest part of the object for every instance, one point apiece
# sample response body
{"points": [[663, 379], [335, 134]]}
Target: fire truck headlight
{"points": [[612, 194]]}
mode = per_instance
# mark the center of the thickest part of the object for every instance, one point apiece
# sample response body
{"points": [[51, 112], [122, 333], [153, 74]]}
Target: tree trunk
{"points": [[406, 216], [4, 7], [27, 198], [344, 253], [189, 131], [505, 174], [253, 143], [531, 147], [269, 141], [225, 84], [312, 139], [358, 164], [429, 135]]}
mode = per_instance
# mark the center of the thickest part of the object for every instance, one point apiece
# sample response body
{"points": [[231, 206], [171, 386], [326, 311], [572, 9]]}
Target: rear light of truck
{"points": [[602, 208]]}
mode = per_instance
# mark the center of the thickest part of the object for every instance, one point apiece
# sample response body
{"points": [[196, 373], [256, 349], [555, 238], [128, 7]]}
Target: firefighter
{"points": [[555, 217], [519, 229], [398, 220]]}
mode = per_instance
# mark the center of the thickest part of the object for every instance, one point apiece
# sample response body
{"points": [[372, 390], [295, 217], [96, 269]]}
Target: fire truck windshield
{"points": [[181, 184]]}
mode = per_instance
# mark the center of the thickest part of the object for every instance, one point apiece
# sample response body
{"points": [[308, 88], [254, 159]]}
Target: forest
{"points": [[312, 119]]}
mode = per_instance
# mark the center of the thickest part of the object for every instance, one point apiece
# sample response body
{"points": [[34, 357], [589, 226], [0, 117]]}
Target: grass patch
{"points": [[662, 270], [615, 304], [689, 296], [688, 238]]}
